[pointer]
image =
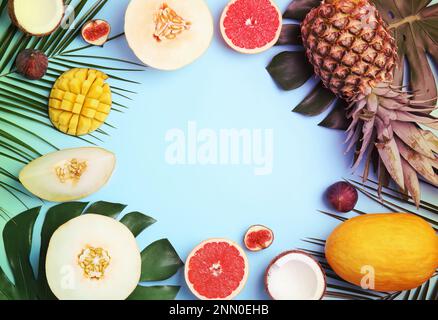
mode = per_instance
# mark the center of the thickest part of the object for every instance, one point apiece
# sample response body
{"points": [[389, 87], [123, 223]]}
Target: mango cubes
{"points": [[80, 101]]}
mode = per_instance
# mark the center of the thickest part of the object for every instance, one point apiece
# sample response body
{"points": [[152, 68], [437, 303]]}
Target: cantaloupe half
{"points": [[70, 174], [93, 257], [36, 17], [168, 34]]}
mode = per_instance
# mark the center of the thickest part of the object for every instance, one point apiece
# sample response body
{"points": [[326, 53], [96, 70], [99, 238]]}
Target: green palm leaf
{"points": [[18, 234], [394, 201], [23, 103]]}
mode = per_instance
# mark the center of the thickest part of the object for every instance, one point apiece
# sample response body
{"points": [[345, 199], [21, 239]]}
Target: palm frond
{"points": [[23, 103], [394, 201]]}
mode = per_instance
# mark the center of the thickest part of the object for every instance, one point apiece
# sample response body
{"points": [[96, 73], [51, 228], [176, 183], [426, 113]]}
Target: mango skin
{"points": [[402, 248]]}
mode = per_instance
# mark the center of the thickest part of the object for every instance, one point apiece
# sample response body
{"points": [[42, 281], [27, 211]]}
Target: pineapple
{"points": [[355, 55], [80, 101]]}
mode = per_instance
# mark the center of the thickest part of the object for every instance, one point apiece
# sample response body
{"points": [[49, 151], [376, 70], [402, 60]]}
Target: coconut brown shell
{"points": [[284, 254], [15, 21]]}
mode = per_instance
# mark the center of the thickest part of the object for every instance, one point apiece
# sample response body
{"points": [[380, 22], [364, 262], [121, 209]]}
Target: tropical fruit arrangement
{"points": [[357, 57], [86, 252]]}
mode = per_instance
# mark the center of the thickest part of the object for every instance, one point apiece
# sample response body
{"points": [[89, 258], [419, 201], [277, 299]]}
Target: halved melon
{"points": [[93, 257], [168, 34], [70, 174]]}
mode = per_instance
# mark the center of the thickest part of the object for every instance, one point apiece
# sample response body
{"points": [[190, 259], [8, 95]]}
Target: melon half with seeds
{"points": [[36, 17], [93, 257], [70, 174], [251, 26], [168, 34]]}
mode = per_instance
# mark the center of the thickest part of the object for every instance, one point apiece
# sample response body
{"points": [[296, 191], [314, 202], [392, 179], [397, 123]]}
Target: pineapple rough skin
{"points": [[349, 46], [355, 55]]}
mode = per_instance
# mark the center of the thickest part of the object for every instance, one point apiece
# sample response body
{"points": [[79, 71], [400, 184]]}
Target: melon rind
{"points": [[64, 275], [169, 54], [230, 43], [242, 282], [19, 16]]}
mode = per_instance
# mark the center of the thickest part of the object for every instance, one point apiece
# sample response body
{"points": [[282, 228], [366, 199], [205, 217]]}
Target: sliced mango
{"points": [[80, 101]]}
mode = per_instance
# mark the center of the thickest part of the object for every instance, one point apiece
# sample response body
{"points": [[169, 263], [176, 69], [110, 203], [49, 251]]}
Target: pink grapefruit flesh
{"points": [[251, 26], [217, 269]]}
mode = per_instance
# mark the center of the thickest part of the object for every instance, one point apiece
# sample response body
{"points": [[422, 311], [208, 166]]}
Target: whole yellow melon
{"points": [[384, 252]]}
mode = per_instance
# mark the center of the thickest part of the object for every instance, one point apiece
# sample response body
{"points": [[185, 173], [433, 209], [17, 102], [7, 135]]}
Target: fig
{"points": [[36, 17], [342, 196], [96, 32], [32, 64], [258, 237]]}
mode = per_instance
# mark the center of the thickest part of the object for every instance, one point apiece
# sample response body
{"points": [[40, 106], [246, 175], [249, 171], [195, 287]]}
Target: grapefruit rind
{"points": [[230, 43], [200, 246]]}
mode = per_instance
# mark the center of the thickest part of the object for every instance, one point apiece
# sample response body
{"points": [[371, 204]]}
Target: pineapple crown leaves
{"points": [[23, 103], [394, 201], [17, 238], [415, 28]]}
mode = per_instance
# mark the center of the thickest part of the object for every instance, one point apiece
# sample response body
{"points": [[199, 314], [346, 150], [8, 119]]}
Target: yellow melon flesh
{"points": [[65, 260], [69, 174], [393, 251], [174, 53]]}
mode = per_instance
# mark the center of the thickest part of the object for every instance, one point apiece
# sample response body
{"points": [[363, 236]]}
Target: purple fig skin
{"points": [[342, 196], [32, 64]]}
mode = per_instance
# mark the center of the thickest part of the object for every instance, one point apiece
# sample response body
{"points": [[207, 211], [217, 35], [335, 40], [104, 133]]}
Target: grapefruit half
{"points": [[251, 26], [217, 269]]}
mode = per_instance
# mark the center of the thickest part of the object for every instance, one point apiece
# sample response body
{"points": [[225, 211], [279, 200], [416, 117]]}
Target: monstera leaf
{"points": [[24, 123], [394, 201], [17, 239], [415, 28]]}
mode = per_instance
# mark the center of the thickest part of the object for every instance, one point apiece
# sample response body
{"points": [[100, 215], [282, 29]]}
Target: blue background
{"points": [[223, 89]]}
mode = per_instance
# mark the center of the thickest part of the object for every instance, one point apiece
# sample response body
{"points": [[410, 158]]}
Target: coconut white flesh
{"points": [[66, 278], [41, 179], [38, 16], [295, 276], [168, 54]]}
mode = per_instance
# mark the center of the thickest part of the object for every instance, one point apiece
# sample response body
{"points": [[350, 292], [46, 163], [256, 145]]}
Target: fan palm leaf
{"points": [[23, 103], [394, 201]]}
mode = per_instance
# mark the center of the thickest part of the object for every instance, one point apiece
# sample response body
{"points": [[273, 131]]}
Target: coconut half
{"points": [[36, 17], [295, 275], [168, 34], [93, 257]]}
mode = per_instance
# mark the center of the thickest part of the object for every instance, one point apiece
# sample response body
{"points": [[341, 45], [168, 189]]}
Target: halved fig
{"points": [[168, 34], [36, 17], [295, 275], [96, 32], [70, 174], [258, 237]]}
